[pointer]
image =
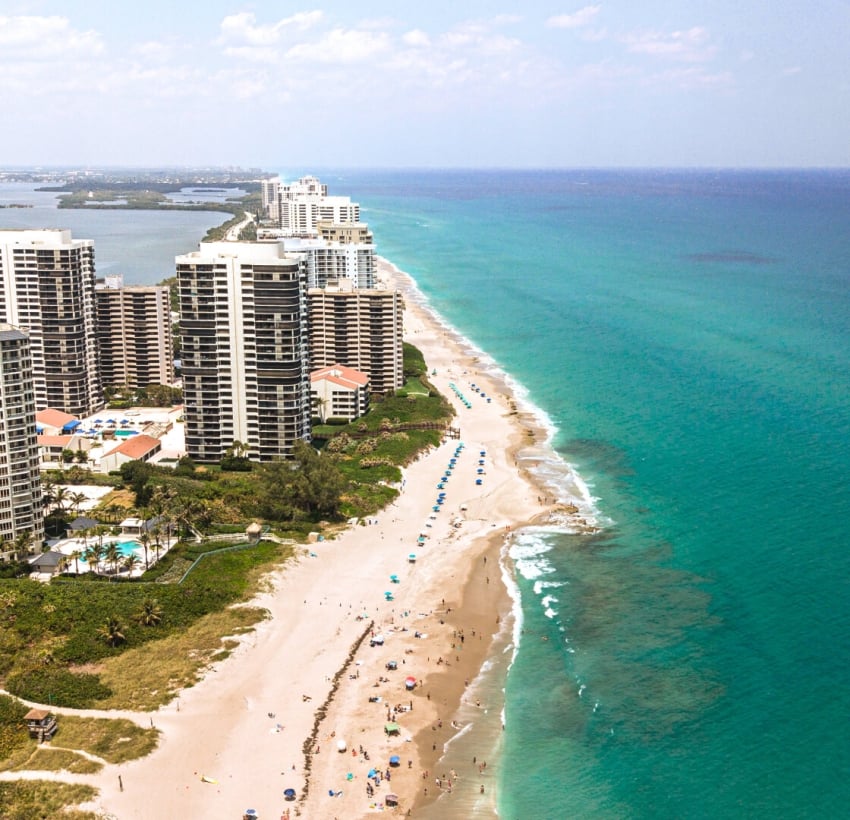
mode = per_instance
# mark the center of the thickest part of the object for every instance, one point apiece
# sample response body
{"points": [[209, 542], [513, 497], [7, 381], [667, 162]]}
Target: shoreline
{"points": [[271, 716]]}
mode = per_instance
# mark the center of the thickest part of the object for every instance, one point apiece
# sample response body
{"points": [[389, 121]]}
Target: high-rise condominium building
{"points": [[328, 262], [268, 191], [243, 328], [302, 205], [47, 289], [20, 485], [360, 329], [134, 334]]}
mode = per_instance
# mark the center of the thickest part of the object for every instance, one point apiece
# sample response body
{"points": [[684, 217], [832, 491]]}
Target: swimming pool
{"points": [[124, 548]]}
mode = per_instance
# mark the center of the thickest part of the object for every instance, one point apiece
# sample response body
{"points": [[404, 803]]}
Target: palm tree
{"points": [[93, 556], [130, 562], [77, 499], [60, 497], [48, 490], [156, 532], [145, 541], [76, 555], [151, 612], [115, 512], [113, 555], [22, 544], [112, 631]]}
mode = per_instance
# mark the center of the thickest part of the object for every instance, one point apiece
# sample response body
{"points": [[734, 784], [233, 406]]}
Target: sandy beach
{"points": [[303, 703]]}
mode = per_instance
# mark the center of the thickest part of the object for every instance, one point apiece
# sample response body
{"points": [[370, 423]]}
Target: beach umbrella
{"points": [[250, 812], [289, 794], [412, 557], [372, 773], [394, 760], [392, 728], [391, 799], [410, 682]]}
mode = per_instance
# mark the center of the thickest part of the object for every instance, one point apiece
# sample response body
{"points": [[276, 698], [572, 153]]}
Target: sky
{"points": [[432, 83]]}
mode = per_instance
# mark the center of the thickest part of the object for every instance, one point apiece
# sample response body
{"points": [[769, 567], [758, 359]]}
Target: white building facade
{"points": [[339, 393], [47, 282], [244, 349], [298, 207], [21, 511]]}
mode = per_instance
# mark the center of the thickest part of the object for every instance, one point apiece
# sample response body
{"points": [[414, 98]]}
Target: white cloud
{"points": [[791, 70], [691, 45], [154, 51], [243, 27], [582, 17], [50, 38], [416, 38], [341, 46], [254, 54]]}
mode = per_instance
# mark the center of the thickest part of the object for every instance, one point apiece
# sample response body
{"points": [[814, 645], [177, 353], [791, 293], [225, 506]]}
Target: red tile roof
{"points": [[340, 374], [137, 446], [53, 418], [54, 441]]}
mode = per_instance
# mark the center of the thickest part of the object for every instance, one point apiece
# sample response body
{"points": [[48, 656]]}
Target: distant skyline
{"points": [[440, 84]]}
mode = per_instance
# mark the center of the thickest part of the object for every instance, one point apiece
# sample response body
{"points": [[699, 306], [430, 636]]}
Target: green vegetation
{"points": [[119, 397], [115, 740], [51, 759], [52, 635], [13, 734], [249, 204], [149, 676], [26, 799]]}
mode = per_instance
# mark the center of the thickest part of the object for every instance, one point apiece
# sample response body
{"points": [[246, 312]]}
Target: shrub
{"points": [[58, 685], [12, 733]]}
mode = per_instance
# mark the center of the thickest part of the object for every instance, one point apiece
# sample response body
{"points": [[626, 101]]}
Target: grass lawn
{"points": [[115, 740], [29, 799], [50, 759]]}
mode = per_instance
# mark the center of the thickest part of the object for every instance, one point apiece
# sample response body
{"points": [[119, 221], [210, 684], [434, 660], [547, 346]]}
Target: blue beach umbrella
{"points": [[395, 760]]}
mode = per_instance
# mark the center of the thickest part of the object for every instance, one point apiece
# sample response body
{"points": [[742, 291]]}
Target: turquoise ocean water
{"points": [[685, 336]]}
